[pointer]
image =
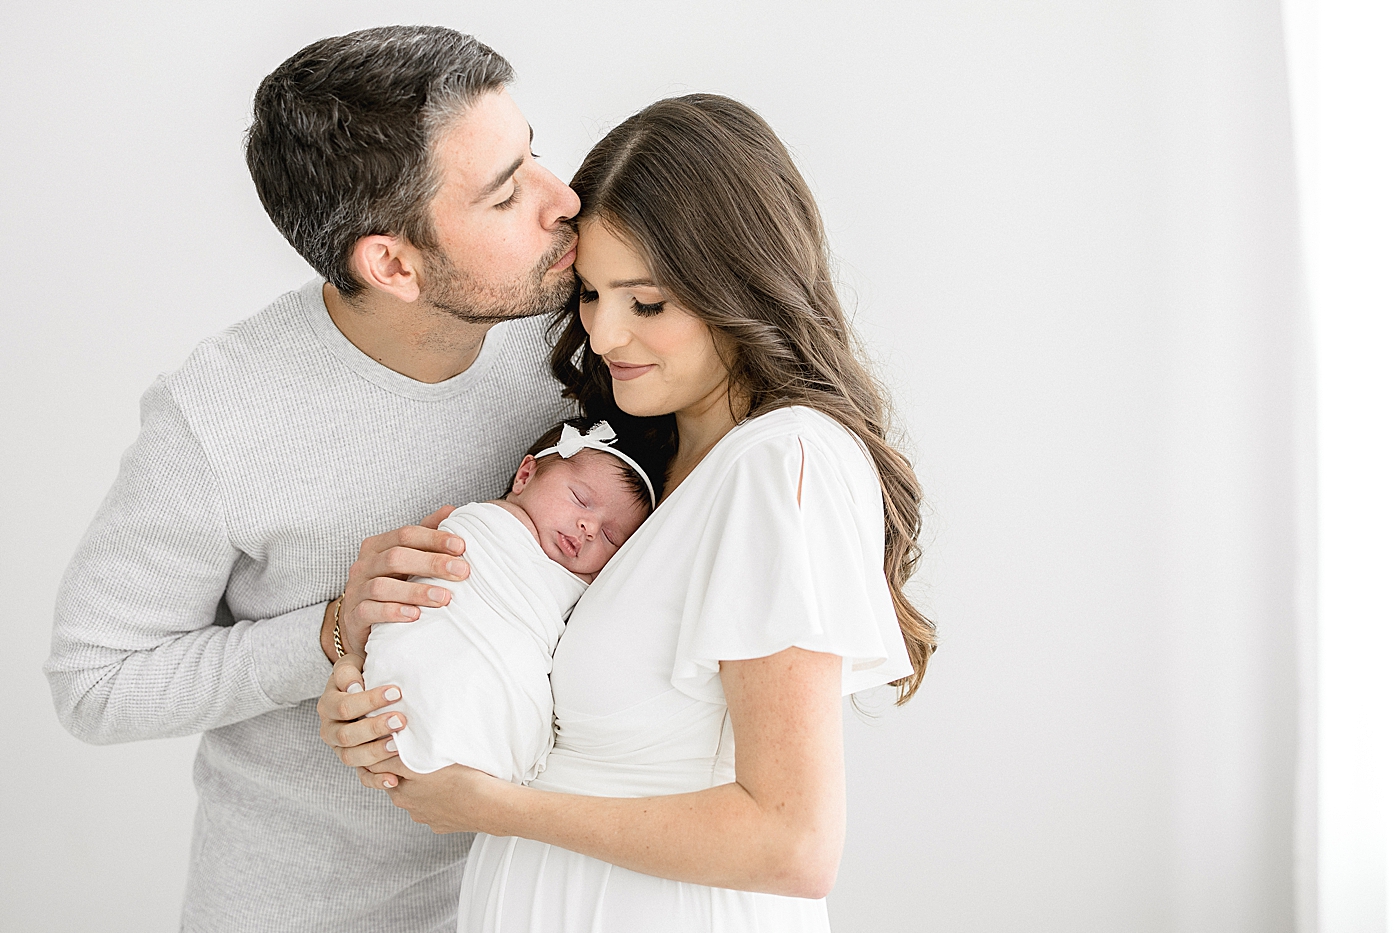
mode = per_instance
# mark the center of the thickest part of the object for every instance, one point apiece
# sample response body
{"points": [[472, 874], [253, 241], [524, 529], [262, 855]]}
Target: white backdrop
{"points": [[1068, 233]]}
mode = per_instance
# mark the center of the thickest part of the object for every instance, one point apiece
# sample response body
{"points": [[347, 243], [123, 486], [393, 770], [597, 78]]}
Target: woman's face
{"points": [[662, 358]]}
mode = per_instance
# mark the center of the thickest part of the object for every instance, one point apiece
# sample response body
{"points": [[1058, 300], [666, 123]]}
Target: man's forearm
{"points": [[192, 681], [136, 653]]}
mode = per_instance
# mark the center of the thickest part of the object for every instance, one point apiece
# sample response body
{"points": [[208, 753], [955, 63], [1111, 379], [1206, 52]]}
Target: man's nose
{"points": [[561, 204]]}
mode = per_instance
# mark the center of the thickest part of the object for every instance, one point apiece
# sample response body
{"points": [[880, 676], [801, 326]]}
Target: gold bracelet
{"points": [[335, 633]]}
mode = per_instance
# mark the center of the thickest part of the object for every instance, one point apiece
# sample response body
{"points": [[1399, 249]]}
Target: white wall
{"points": [[1068, 233]]}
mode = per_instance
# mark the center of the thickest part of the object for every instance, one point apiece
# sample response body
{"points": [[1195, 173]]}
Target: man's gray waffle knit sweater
{"points": [[194, 602]]}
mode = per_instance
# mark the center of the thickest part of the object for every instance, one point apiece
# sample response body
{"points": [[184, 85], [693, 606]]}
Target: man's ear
{"points": [[389, 264], [528, 466]]}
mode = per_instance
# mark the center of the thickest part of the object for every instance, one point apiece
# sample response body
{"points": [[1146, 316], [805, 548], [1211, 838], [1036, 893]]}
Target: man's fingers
{"points": [[369, 612], [402, 562], [405, 561], [390, 590], [415, 537]]}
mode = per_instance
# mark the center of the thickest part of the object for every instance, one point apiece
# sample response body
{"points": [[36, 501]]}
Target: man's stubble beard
{"points": [[454, 291]]}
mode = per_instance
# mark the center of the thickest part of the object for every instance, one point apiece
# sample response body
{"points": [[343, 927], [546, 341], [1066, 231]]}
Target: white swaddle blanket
{"points": [[475, 673]]}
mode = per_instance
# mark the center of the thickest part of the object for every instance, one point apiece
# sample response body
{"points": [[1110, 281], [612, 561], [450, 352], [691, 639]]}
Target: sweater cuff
{"points": [[287, 658]]}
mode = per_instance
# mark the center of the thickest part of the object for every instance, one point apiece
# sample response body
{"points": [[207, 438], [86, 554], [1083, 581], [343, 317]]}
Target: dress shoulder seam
{"points": [[820, 429]]}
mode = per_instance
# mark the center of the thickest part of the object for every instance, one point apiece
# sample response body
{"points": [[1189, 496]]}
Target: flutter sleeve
{"points": [[792, 554]]}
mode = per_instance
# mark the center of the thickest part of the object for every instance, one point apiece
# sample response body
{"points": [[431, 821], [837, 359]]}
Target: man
{"points": [[202, 598]]}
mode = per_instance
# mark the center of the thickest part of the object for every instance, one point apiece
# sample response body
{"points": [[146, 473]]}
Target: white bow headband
{"points": [[599, 437]]}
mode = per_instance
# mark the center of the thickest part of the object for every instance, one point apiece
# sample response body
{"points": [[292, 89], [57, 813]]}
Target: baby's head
{"points": [[584, 501]]}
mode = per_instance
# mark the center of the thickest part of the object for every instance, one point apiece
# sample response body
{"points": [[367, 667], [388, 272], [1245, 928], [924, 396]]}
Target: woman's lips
{"points": [[625, 371]]}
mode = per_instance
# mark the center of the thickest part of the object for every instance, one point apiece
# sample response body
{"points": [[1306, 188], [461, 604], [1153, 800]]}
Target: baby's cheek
{"points": [[596, 562]]}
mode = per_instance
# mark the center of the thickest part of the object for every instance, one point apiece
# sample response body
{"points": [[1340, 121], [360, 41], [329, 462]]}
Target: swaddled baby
{"points": [[475, 673]]}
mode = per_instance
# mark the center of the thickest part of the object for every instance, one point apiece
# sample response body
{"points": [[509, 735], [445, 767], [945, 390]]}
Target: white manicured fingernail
{"points": [[355, 688], [392, 694], [391, 745], [395, 722]]}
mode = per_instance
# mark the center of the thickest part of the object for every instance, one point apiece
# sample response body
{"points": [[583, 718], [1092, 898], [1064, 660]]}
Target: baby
{"points": [[475, 673]]}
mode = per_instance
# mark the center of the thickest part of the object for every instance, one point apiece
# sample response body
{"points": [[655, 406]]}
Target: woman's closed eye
{"points": [[588, 295]]}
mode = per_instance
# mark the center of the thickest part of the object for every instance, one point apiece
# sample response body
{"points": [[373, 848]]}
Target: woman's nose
{"points": [[605, 330]]}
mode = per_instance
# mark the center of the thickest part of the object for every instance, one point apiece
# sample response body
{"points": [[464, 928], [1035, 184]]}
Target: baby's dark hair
{"points": [[627, 442]]}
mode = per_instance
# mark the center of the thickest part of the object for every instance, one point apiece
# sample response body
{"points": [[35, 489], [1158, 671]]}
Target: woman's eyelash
{"points": [[588, 296]]}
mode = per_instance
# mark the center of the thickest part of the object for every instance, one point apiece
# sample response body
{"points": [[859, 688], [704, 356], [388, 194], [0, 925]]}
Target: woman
{"points": [[697, 780]]}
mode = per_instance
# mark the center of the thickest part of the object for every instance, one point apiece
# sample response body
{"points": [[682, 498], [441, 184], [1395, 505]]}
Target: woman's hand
{"points": [[378, 588], [454, 799], [778, 828], [359, 739]]}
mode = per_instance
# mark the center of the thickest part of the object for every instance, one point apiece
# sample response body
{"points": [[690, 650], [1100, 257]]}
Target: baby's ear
{"points": [[527, 470]]}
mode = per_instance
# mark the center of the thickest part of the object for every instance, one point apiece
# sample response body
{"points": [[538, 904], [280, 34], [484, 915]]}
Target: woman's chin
{"points": [[638, 404]]}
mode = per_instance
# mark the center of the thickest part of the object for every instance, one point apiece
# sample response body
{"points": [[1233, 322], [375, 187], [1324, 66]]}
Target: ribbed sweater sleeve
{"points": [[136, 651]]}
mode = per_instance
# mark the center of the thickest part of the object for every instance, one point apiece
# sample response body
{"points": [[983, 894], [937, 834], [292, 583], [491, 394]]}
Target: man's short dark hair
{"points": [[340, 146]]}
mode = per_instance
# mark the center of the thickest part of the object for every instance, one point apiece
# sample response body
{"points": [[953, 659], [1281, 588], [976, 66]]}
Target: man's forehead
{"points": [[485, 139]]}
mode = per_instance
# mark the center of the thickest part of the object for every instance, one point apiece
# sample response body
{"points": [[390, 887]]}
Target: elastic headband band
{"points": [[599, 437]]}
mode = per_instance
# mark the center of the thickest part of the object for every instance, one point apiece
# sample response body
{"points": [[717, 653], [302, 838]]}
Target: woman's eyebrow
{"points": [[633, 283]]}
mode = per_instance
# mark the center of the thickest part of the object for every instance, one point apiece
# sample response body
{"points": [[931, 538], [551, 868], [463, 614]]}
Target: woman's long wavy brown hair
{"points": [[706, 192]]}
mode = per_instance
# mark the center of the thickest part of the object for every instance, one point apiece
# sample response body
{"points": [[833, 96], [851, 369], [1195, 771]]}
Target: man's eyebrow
{"points": [[505, 175], [501, 178]]}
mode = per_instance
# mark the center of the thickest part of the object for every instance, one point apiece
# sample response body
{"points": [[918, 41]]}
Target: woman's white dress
{"points": [[730, 566]]}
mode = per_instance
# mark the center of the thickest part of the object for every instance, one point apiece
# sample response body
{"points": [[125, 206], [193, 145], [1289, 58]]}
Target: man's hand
{"points": [[359, 739], [378, 589]]}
